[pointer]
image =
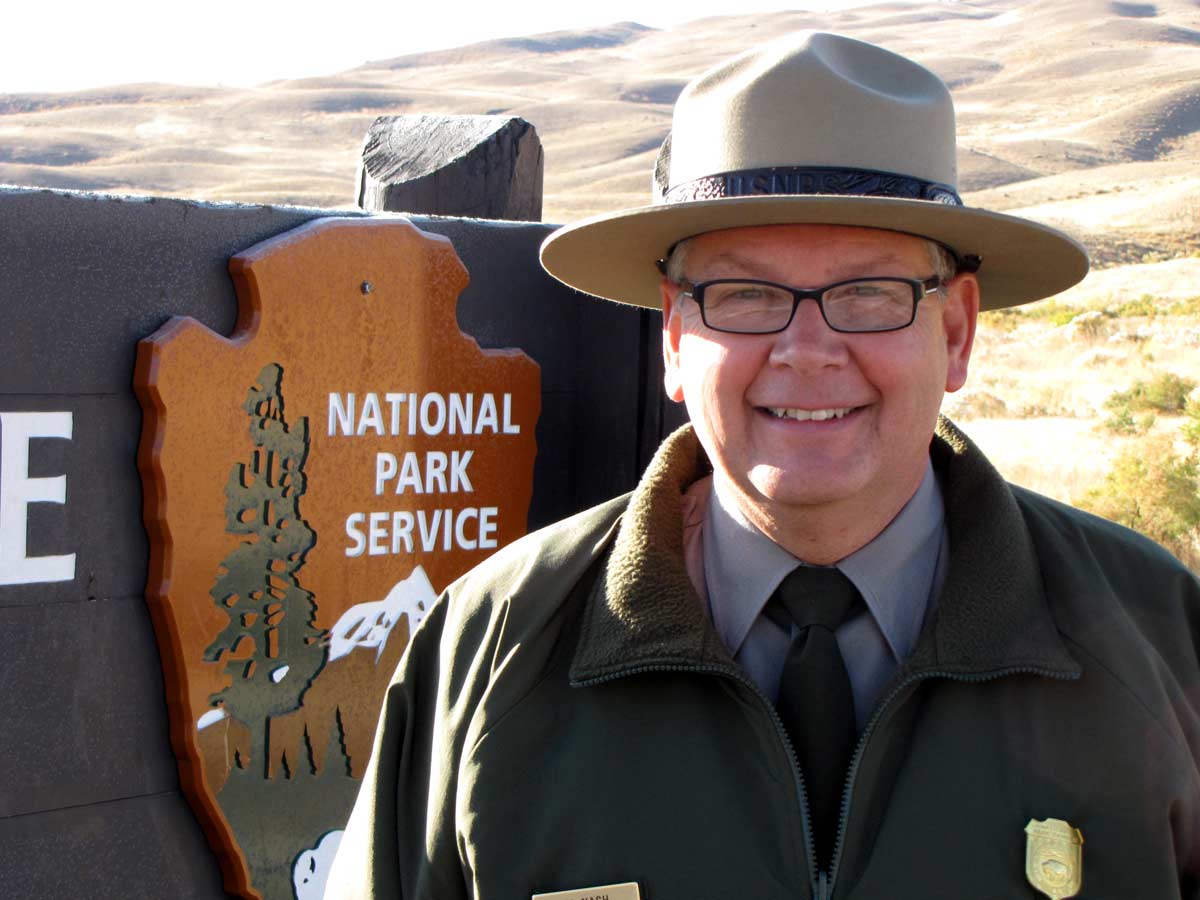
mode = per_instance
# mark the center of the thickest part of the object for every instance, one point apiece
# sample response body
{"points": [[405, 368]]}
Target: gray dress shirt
{"points": [[898, 574]]}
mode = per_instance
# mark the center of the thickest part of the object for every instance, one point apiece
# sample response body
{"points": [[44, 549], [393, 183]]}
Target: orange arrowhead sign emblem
{"points": [[312, 482]]}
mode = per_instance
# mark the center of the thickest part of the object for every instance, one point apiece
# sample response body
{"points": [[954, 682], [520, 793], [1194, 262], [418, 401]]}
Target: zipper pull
{"points": [[822, 886]]}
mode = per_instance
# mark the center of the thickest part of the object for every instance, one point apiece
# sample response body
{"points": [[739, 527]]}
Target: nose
{"points": [[808, 344]]}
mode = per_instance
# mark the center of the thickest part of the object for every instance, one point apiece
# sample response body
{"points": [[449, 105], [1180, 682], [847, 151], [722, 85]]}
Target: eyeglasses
{"points": [[747, 306]]}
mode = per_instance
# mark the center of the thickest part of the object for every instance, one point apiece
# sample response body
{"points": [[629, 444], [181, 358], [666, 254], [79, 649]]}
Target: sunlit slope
{"points": [[1080, 113]]}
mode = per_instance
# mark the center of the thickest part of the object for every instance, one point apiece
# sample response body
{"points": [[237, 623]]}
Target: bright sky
{"points": [[77, 44]]}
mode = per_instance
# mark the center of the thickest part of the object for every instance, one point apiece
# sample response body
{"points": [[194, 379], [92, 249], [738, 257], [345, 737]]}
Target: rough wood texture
{"points": [[483, 167]]}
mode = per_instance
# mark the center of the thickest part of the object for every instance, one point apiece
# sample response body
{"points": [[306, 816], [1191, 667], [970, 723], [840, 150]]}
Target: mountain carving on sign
{"points": [[292, 555], [368, 625]]}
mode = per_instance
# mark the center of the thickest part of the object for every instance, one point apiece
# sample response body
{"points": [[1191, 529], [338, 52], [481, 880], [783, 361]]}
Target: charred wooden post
{"points": [[486, 167]]}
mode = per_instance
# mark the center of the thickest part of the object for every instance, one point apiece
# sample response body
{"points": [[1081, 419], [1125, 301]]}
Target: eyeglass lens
{"points": [[750, 307]]}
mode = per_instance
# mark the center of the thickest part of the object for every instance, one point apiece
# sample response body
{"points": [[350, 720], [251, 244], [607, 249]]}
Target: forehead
{"points": [[829, 247]]}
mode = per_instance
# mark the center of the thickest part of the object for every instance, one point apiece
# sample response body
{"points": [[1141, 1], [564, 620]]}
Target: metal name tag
{"points": [[627, 891]]}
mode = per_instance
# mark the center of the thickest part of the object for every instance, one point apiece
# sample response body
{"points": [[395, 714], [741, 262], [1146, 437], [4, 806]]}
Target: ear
{"points": [[672, 329], [958, 319]]}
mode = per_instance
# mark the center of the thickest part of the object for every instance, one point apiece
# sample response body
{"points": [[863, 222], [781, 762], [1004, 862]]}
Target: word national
{"points": [[394, 413]]}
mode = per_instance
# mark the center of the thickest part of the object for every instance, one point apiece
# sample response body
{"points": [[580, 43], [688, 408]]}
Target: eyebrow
{"points": [[839, 272]]}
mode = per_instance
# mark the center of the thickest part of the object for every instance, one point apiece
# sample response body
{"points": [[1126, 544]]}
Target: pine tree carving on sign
{"points": [[270, 647]]}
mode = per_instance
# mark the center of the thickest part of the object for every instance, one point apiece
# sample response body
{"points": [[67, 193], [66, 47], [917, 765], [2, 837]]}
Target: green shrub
{"points": [[1092, 325], [1048, 401], [1166, 392], [1144, 305], [1052, 311], [1150, 307], [1191, 427], [1059, 314], [1123, 422], [1055, 312], [1156, 491]]}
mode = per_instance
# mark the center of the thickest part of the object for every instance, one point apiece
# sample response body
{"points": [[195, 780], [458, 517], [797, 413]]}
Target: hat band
{"points": [[778, 180]]}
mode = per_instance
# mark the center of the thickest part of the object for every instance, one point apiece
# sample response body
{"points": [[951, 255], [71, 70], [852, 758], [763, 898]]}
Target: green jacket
{"points": [[567, 717]]}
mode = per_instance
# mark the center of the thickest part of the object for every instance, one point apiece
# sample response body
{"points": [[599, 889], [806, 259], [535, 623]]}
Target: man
{"points": [[823, 650]]}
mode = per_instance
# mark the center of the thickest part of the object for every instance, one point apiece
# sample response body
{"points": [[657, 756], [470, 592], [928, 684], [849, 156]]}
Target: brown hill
{"points": [[1067, 110]]}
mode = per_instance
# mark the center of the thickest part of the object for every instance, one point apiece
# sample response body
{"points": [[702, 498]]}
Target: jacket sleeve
{"points": [[400, 840], [458, 674]]}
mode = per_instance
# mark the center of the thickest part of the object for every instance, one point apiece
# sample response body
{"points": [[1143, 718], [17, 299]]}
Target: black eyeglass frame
{"points": [[920, 290]]}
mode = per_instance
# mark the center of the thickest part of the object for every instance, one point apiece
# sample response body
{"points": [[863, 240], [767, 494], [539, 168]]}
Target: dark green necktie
{"points": [[815, 699]]}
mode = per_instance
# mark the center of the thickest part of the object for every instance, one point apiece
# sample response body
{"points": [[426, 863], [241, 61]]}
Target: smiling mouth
{"points": [[809, 415]]}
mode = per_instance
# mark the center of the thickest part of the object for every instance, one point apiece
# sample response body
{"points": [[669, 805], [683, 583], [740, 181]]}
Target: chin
{"points": [[780, 488]]}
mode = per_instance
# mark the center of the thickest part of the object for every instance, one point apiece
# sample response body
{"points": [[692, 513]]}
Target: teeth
{"points": [[807, 415]]}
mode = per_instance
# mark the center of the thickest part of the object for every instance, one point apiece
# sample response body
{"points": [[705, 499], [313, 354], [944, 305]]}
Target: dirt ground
{"points": [[1035, 397]]}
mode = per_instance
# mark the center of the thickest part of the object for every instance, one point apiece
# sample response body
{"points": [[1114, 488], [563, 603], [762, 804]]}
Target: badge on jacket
{"points": [[1054, 858], [627, 891]]}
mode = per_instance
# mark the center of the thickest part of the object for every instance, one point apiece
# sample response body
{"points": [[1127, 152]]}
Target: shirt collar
{"points": [[895, 572]]}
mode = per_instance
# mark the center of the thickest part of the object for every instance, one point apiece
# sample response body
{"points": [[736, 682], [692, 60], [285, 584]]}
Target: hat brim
{"points": [[613, 255]]}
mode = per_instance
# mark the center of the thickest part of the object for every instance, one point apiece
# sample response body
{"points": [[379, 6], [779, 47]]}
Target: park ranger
{"points": [[823, 649]]}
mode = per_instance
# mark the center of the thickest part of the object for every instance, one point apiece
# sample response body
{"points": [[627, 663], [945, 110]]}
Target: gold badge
{"points": [[627, 891], [1054, 858]]}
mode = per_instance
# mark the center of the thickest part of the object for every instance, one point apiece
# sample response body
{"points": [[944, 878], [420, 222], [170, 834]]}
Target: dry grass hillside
{"points": [[1082, 114]]}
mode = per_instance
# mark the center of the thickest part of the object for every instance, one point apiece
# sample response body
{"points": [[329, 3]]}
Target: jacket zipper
{"points": [[880, 709], [818, 881], [822, 883]]}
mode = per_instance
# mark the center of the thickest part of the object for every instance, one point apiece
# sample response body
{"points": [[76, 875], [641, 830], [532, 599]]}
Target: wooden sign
{"points": [[311, 484]]}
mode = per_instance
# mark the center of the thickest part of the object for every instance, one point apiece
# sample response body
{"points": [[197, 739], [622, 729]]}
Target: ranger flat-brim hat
{"points": [[822, 129]]}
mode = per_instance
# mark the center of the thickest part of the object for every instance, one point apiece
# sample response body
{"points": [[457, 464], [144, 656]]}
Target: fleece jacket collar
{"points": [[992, 615]]}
